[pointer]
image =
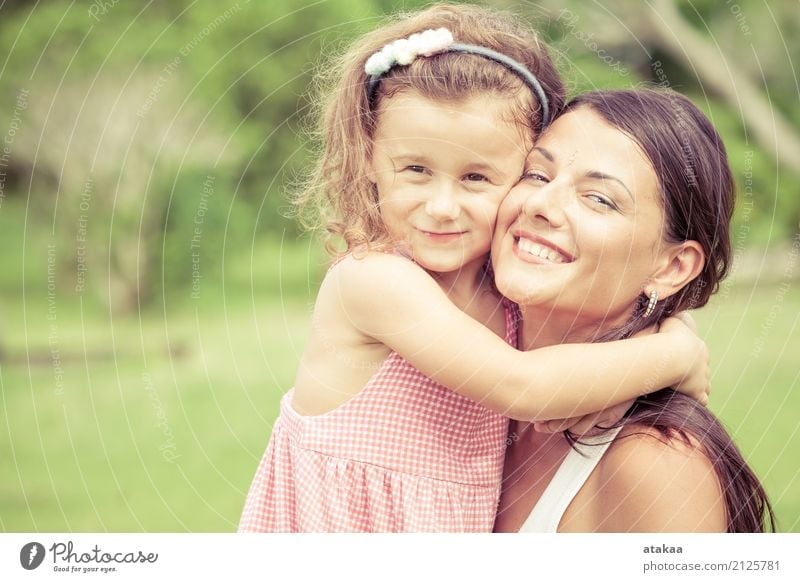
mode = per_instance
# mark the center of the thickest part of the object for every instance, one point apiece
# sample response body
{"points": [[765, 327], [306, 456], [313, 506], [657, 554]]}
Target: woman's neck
{"points": [[543, 327]]}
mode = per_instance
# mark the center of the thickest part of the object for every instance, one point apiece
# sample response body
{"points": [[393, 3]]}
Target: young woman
{"points": [[631, 192]]}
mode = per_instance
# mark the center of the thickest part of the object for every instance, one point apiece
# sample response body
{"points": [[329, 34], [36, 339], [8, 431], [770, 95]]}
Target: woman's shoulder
{"points": [[651, 482]]}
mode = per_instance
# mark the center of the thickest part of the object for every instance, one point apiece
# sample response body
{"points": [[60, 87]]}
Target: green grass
{"points": [[91, 456], [159, 420], [754, 338]]}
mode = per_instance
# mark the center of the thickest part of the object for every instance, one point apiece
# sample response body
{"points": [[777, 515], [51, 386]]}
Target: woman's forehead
{"points": [[585, 128], [581, 140]]}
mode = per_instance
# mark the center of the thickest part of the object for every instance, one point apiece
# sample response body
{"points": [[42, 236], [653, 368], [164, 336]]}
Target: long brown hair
{"points": [[697, 196], [338, 194]]}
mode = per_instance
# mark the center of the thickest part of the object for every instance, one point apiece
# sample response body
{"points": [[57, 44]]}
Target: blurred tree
{"points": [[734, 59], [114, 176], [149, 100], [672, 32], [135, 106]]}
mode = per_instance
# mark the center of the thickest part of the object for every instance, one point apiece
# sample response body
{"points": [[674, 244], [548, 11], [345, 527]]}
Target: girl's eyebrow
{"points": [[409, 157], [404, 157]]}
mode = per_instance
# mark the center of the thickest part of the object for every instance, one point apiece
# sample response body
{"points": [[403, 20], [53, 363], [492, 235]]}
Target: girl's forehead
{"points": [[506, 109], [412, 116], [490, 102]]}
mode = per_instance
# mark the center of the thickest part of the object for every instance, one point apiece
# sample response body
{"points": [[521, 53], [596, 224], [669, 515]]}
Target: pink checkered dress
{"points": [[404, 455]]}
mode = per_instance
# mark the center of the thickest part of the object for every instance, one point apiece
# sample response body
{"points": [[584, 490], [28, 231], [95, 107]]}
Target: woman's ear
{"points": [[681, 265]]}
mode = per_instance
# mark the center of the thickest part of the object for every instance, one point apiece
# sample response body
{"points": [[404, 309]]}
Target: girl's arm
{"points": [[390, 299], [589, 423]]}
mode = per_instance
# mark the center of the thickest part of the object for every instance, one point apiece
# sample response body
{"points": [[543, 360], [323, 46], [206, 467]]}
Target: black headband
{"points": [[431, 42]]}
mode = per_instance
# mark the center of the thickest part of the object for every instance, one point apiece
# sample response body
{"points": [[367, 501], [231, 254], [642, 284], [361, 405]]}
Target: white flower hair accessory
{"points": [[404, 51]]}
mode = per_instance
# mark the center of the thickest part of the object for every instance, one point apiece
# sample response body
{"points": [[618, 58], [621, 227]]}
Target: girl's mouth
{"points": [[443, 237]]}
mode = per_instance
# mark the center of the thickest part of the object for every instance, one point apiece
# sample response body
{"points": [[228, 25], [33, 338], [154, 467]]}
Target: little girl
{"points": [[398, 416]]}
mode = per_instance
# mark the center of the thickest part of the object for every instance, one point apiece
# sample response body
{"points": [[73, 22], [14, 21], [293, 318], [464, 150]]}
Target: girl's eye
{"points": [[602, 201], [416, 169], [475, 177]]}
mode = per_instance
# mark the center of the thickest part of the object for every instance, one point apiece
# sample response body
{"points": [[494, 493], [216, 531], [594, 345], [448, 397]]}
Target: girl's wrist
{"points": [[674, 361]]}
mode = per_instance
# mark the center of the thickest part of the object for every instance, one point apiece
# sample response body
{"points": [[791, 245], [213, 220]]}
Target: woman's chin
{"points": [[519, 290]]}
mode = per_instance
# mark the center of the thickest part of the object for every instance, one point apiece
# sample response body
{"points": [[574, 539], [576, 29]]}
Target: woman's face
{"points": [[582, 231]]}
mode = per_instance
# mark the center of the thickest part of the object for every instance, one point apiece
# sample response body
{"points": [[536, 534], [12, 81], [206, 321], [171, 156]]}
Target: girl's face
{"points": [[582, 231], [441, 171]]}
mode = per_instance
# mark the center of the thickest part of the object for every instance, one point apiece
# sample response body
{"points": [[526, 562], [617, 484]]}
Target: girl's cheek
{"points": [[510, 207], [492, 209]]}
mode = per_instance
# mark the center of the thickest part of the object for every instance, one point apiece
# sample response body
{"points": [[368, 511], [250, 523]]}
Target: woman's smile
{"points": [[535, 249]]}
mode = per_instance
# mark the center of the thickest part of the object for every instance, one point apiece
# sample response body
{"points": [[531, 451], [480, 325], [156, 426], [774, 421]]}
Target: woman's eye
{"points": [[535, 176], [602, 201]]}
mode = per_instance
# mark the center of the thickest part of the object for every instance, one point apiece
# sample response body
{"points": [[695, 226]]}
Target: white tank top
{"points": [[565, 484]]}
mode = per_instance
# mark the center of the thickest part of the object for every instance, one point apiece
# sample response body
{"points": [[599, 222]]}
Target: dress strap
{"points": [[568, 480], [513, 317]]}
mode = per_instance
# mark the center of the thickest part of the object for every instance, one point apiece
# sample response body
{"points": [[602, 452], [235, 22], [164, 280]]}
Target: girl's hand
{"points": [[687, 318], [696, 382], [589, 424]]}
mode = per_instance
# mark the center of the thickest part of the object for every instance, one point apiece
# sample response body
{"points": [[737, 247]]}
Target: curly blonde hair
{"points": [[338, 195]]}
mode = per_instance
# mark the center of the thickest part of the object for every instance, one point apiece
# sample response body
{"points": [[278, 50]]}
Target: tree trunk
{"points": [[767, 124]]}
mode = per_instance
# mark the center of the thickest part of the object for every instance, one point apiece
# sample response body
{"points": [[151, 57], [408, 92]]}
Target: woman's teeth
{"points": [[540, 251]]}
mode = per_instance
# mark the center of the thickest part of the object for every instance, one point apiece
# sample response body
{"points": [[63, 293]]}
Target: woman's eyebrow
{"points": [[601, 176], [546, 153], [594, 174]]}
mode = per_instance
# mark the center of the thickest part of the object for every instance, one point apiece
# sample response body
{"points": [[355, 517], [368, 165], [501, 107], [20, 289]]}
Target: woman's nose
{"points": [[443, 204], [545, 202]]}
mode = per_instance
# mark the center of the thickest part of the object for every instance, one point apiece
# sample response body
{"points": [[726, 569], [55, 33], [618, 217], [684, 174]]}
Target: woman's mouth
{"points": [[529, 249]]}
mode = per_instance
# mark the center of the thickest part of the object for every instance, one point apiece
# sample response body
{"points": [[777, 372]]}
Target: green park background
{"points": [[155, 293]]}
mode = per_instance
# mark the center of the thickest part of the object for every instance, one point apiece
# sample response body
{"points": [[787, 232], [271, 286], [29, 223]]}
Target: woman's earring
{"points": [[651, 305]]}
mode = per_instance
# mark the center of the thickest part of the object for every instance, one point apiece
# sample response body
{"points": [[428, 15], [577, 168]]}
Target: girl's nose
{"points": [[443, 203]]}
